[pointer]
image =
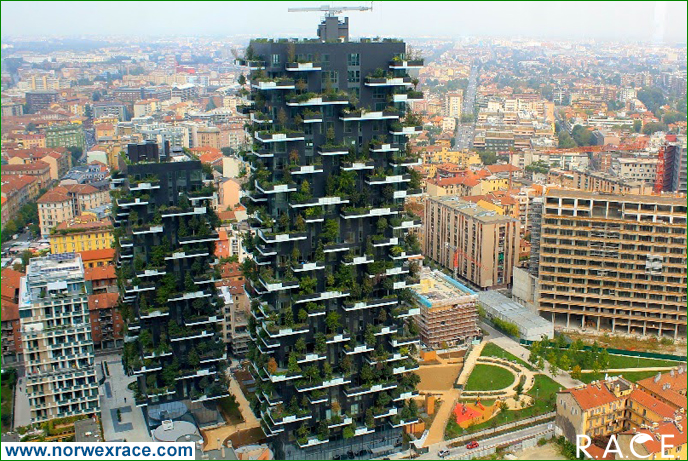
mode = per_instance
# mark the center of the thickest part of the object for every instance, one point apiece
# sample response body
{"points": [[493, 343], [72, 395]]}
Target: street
{"points": [[484, 444], [466, 131]]}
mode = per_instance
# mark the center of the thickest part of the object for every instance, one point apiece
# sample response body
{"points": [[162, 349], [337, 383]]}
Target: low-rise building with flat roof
{"points": [[530, 325], [448, 313]]}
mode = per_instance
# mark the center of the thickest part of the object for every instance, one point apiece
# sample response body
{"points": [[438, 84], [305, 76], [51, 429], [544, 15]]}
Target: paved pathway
{"points": [[22, 412], [220, 434], [114, 395]]}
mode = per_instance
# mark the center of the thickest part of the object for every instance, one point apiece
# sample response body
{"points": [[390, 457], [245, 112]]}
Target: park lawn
{"points": [[632, 376], [624, 361], [493, 350], [7, 403], [543, 402], [488, 378]]}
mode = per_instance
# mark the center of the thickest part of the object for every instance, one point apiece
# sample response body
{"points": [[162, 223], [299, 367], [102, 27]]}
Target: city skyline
{"points": [[665, 21]]}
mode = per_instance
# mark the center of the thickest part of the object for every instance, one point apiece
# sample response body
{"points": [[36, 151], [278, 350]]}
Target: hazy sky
{"points": [[647, 21]]}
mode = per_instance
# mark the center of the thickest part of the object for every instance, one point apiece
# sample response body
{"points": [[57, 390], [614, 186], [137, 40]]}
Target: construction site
{"points": [[448, 312]]}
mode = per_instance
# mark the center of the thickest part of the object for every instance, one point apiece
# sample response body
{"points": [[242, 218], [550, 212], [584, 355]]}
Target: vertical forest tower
{"points": [[332, 257]]}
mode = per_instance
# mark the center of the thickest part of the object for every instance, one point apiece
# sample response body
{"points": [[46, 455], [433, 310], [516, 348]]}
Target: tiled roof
{"points": [[102, 301], [93, 255], [592, 396], [100, 273]]}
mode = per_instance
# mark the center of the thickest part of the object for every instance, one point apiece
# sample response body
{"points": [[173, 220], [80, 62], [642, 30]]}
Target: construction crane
{"points": [[331, 11], [459, 252]]}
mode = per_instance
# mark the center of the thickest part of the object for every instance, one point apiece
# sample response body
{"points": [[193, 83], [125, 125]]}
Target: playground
{"points": [[469, 414]]}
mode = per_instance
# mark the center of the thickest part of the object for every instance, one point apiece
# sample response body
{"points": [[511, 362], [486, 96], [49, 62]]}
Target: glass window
{"points": [[275, 59], [325, 61], [354, 59], [354, 76]]}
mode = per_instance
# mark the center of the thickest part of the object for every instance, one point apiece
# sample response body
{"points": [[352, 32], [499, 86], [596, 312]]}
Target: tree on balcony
{"points": [[333, 321]]}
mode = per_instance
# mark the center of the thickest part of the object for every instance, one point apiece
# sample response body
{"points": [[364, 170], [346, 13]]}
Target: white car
{"points": [[443, 453]]}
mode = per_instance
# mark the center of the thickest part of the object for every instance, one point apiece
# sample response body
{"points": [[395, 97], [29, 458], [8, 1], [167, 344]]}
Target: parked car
{"points": [[442, 453], [472, 445]]}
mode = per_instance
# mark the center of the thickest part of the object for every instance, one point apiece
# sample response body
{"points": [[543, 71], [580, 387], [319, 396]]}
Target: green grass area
{"points": [[624, 361], [230, 408], [9, 379], [488, 378], [632, 376], [493, 350], [544, 393]]}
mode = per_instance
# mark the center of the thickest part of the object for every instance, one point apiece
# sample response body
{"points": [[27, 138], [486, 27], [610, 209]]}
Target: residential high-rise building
{"points": [[481, 244], [332, 346], [614, 262], [674, 165], [37, 100], [452, 104], [59, 364], [165, 243]]}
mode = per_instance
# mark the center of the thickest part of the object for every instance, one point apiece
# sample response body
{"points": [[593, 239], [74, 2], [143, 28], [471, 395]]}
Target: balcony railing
{"points": [[302, 67], [388, 81], [403, 64], [274, 85], [321, 201], [392, 179], [279, 137]]}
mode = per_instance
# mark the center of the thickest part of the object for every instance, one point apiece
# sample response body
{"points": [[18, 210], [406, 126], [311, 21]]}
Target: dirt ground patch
{"points": [[437, 377], [548, 451], [452, 355], [247, 437]]}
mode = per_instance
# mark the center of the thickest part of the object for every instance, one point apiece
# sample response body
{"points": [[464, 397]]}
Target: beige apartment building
{"points": [[484, 244], [452, 104], [614, 262], [63, 203], [56, 339]]}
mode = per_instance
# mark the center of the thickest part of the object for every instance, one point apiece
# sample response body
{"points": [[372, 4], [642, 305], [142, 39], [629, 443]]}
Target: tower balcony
{"points": [[140, 288], [190, 295], [260, 118], [368, 212], [384, 147], [405, 367], [306, 169], [388, 81], [365, 259], [381, 242], [176, 212], [126, 203], [147, 230], [302, 67], [329, 151], [286, 237], [312, 117], [360, 305], [265, 137], [357, 166], [409, 224], [184, 254], [212, 237], [251, 64], [311, 442], [273, 286], [321, 201], [404, 64], [405, 161], [275, 188], [362, 115], [322, 296], [335, 381], [278, 331], [286, 84], [401, 422], [404, 341], [393, 179], [304, 267], [144, 186], [191, 334], [408, 96], [406, 130], [314, 100], [369, 389]]}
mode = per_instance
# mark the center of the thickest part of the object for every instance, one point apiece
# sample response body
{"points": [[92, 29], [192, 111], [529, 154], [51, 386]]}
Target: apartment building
{"points": [[614, 262], [40, 170], [80, 234], [107, 326], [37, 100], [59, 160], [447, 313], [347, 262], [636, 169], [11, 325], [70, 135], [56, 339], [208, 136], [452, 104], [614, 406], [17, 191], [64, 203], [597, 181], [674, 165], [483, 245]]}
